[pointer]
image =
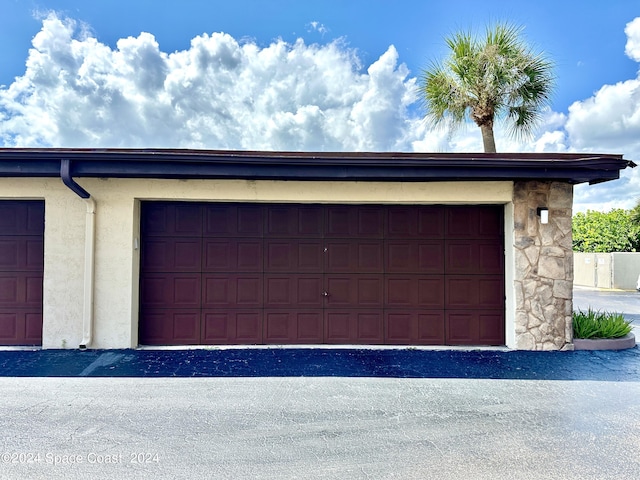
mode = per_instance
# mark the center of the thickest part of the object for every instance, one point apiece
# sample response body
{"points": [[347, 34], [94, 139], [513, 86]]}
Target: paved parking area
{"points": [[620, 301], [623, 301], [321, 413], [318, 428]]}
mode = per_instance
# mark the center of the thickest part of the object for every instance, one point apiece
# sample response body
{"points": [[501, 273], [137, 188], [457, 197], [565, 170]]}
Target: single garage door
{"points": [[21, 272], [228, 273]]}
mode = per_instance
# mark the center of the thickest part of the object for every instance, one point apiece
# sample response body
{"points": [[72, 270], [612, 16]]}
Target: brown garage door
{"points": [[21, 272], [218, 273]]}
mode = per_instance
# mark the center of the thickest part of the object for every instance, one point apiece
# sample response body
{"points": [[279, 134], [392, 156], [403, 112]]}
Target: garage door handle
{"points": [[325, 294]]}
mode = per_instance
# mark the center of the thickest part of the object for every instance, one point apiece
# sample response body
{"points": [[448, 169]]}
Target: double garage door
{"points": [[21, 272], [230, 273]]}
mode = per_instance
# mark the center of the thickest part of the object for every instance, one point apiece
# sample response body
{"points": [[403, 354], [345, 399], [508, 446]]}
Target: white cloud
{"points": [[609, 121], [632, 48], [224, 94], [79, 92], [317, 27]]}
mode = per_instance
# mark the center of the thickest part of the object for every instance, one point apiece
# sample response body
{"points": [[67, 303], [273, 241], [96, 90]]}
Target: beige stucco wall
{"points": [[617, 270], [117, 237]]}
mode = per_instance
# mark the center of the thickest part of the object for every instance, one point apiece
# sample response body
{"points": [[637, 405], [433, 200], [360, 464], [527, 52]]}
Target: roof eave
{"points": [[407, 167]]}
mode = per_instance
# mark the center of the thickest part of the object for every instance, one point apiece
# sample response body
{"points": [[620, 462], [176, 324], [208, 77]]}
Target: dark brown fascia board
{"points": [[350, 166]]}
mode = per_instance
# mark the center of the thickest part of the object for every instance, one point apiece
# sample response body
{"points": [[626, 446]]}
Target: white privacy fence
{"points": [[618, 270]]}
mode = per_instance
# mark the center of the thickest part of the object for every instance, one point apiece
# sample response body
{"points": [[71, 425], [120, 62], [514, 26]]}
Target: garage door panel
{"points": [[354, 326], [186, 327], [227, 327], [168, 326], [292, 290], [414, 256], [295, 256], [490, 222], [171, 219], [349, 221], [21, 217], [9, 257], [11, 290], [232, 255], [232, 220], [177, 254], [475, 327], [460, 223], [410, 222], [33, 328], [491, 292], [20, 290], [477, 222], [356, 291], [354, 256], [34, 254], [10, 325], [462, 328], [413, 291], [20, 326], [469, 292], [474, 257], [21, 253], [232, 291], [171, 289], [461, 257], [33, 290], [491, 258], [294, 221], [491, 328], [293, 326], [415, 327]]}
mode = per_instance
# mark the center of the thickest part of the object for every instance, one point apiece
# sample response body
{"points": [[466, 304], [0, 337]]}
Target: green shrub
{"points": [[596, 324]]}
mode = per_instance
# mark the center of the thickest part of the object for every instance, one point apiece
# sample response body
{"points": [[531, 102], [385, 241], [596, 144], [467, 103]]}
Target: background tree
{"points": [[498, 76], [605, 232], [635, 214]]}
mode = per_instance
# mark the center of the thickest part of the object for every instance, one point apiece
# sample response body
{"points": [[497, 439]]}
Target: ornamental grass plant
{"points": [[594, 324]]}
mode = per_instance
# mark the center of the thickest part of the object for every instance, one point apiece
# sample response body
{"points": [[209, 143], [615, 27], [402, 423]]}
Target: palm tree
{"points": [[495, 77]]}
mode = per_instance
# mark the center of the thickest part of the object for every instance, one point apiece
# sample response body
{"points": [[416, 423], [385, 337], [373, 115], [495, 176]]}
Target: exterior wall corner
{"points": [[543, 259]]}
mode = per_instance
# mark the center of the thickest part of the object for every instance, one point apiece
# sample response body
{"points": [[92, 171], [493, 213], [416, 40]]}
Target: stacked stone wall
{"points": [[543, 266]]}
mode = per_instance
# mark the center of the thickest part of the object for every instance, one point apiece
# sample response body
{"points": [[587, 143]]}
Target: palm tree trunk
{"points": [[487, 138]]}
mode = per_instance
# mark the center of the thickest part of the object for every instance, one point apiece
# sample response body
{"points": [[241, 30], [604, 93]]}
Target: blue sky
{"points": [[357, 59]]}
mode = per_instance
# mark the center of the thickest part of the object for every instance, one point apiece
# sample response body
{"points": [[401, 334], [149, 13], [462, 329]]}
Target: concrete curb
{"points": [[628, 341]]}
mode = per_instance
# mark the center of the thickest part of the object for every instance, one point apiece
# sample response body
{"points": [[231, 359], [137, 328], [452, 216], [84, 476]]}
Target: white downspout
{"points": [[89, 252], [89, 273]]}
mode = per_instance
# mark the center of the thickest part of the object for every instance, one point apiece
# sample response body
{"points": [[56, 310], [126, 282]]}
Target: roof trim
{"points": [[349, 166]]}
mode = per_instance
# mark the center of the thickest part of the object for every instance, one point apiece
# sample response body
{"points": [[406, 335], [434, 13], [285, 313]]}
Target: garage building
{"points": [[124, 248]]}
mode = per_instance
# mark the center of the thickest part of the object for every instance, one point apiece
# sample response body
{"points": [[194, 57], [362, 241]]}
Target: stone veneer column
{"points": [[543, 266]]}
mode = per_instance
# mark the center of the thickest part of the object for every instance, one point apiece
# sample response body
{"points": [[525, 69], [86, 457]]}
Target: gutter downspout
{"points": [[89, 252]]}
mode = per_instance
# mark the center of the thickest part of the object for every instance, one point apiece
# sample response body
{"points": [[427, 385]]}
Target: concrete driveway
{"points": [[320, 414]]}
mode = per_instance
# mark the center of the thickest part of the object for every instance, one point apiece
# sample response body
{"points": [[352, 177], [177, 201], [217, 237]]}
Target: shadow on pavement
{"points": [[617, 366]]}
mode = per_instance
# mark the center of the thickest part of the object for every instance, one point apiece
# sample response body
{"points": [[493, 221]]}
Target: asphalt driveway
{"points": [[321, 413]]}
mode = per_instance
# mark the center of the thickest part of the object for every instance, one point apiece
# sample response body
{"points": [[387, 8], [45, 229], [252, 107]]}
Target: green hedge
{"points": [[596, 324]]}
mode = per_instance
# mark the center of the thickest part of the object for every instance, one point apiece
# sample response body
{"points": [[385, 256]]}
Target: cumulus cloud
{"points": [[632, 48], [609, 121], [79, 92], [224, 94]]}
